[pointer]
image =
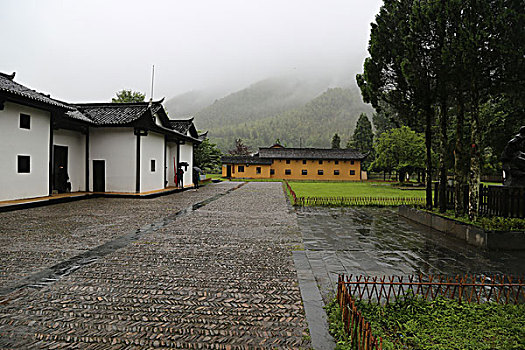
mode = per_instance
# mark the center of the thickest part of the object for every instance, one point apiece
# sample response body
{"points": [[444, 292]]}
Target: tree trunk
{"points": [[428, 144], [475, 167], [442, 157], [460, 177]]}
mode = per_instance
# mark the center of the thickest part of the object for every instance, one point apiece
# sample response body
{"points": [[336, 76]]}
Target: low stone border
{"points": [[493, 240]]}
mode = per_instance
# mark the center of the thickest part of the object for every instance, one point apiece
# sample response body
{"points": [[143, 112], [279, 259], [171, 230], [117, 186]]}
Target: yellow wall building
{"points": [[278, 162]]}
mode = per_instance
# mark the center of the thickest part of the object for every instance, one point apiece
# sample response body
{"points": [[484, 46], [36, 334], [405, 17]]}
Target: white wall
{"points": [[151, 147], [171, 160], [117, 146], [76, 156], [186, 155], [16, 141]]}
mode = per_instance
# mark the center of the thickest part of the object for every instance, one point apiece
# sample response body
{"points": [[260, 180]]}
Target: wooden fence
{"points": [[472, 289], [493, 200]]}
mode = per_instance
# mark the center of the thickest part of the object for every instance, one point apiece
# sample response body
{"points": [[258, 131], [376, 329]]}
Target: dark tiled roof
{"points": [[78, 116], [181, 126], [203, 136], [7, 84], [115, 113], [310, 153], [246, 160]]}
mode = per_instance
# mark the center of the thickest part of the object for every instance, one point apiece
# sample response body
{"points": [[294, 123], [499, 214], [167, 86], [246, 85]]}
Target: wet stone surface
{"points": [[377, 242], [220, 277], [34, 238]]}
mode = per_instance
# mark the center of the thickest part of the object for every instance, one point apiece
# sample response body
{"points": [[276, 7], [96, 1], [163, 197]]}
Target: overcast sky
{"points": [[87, 50]]}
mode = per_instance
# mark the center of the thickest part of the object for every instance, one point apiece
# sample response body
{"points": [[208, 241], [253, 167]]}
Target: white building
{"points": [[102, 147]]}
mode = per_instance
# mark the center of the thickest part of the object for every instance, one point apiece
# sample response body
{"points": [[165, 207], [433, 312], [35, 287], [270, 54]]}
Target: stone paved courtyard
{"points": [[220, 276], [377, 242]]}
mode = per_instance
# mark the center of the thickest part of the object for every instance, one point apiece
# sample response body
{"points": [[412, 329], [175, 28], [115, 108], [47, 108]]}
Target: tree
{"points": [[240, 149], [208, 157], [336, 141], [363, 138], [126, 96], [400, 149]]}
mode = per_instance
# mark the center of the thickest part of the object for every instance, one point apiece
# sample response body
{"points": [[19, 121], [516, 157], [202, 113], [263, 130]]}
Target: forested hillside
{"points": [[260, 100], [311, 125]]}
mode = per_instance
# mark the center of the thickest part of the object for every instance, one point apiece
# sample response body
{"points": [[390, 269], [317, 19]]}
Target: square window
{"points": [[336, 172], [258, 170], [287, 172], [352, 172], [24, 164], [336, 161], [272, 171], [304, 161], [304, 172], [352, 162], [152, 165], [288, 161], [25, 121], [320, 162], [320, 172], [241, 168]]}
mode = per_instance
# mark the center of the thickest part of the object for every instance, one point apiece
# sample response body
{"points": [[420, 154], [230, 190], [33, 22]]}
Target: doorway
{"points": [[228, 171], [99, 176], [60, 171]]}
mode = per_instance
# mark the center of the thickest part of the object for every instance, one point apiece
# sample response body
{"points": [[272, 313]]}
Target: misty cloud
{"points": [[88, 50]]}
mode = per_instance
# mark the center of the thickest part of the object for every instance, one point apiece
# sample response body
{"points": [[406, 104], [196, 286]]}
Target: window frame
{"points": [[320, 172], [153, 165], [337, 172], [258, 170], [24, 121], [352, 172], [240, 168], [287, 171], [19, 164], [304, 172]]}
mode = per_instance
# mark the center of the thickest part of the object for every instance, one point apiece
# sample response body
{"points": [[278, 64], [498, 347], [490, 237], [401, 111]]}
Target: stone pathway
{"points": [[377, 242], [220, 277]]}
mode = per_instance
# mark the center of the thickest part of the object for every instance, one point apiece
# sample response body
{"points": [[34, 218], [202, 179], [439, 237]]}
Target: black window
{"points": [[304, 172], [320, 172], [287, 172], [336, 172], [320, 162], [304, 161], [24, 164], [288, 161], [352, 172], [258, 170], [272, 171], [152, 165], [352, 162], [241, 168], [25, 121], [336, 161]]}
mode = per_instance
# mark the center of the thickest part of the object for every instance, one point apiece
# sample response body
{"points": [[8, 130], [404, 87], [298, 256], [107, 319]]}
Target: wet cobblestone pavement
{"points": [[377, 242], [220, 277]]}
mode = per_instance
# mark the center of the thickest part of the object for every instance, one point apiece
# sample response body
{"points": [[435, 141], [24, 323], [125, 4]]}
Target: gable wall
{"points": [[152, 148], [16, 141]]}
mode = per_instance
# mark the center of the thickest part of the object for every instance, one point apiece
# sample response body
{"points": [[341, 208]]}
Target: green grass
{"points": [[353, 189], [487, 223], [440, 324]]}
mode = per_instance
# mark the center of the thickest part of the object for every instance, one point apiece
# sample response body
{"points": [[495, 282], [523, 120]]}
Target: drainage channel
{"points": [[54, 273]]}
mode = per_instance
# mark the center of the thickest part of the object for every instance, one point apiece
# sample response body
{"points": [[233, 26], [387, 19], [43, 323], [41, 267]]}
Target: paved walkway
{"points": [[219, 276], [378, 242]]}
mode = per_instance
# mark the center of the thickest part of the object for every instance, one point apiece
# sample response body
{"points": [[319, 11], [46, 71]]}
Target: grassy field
{"points": [[353, 189]]}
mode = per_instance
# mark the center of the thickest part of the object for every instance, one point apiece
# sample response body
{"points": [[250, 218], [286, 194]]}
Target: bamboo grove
{"points": [[452, 69]]}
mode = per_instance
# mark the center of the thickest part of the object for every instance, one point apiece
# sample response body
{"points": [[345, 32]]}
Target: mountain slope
{"points": [[311, 125], [260, 100]]}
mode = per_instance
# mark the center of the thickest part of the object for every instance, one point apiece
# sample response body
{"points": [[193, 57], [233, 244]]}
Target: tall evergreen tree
{"points": [[336, 141]]}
